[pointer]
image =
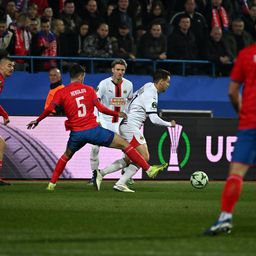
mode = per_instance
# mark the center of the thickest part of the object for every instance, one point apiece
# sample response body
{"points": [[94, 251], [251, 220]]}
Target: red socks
{"points": [[59, 168], [231, 193], [136, 157]]}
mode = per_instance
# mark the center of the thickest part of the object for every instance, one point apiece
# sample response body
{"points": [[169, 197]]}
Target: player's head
{"points": [[118, 68], [54, 75], [77, 73], [161, 79], [6, 65]]}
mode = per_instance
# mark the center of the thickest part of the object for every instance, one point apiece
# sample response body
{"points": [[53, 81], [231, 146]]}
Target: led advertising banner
{"points": [[194, 144], [32, 154]]}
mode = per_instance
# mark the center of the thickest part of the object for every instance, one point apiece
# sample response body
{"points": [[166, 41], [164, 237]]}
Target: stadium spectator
{"points": [[22, 40], [120, 15], [7, 37], [198, 23], [81, 36], [92, 15], [153, 44], [114, 93], [34, 26], [250, 20], [143, 104], [100, 44], [157, 14], [11, 12], [55, 85], [218, 16], [237, 38], [243, 156], [181, 44], [44, 44], [69, 17], [6, 70], [217, 52], [109, 9], [33, 11], [41, 4], [48, 14], [125, 42], [79, 98]]}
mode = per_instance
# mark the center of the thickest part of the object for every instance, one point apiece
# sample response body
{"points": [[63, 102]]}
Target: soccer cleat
{"points": [[51, 186], [97, 179], [122, 188], [219, 227], [4, 183], [155, 169], [90, 182]]}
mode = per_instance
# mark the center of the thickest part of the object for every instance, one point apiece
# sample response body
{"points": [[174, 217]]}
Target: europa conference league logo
{"points": [[174, 133]]}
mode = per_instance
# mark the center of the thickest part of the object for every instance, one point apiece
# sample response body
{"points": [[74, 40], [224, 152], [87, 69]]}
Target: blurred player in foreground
{"points": [[6, 70], [143, 104], [114, 93], [243, 75], [78, 101]]}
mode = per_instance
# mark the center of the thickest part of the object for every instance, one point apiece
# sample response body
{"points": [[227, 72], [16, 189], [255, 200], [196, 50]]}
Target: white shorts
{"points": [[114, 127], [132, 134]]}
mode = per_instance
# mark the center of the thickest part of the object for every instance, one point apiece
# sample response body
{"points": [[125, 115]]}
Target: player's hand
{"points": [[122, 114], [6, 121], [173, 123], [32, 124]]}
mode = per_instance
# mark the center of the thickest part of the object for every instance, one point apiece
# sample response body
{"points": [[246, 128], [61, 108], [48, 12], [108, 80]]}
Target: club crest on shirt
{"points": [[141, 138], [125, 91]]}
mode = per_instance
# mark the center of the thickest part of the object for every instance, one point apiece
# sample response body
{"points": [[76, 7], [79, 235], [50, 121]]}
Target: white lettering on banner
{"points": [[230, 140], [77, 92]]}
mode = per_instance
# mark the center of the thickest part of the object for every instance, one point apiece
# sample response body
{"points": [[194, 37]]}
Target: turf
{"points": [[161, 218]]}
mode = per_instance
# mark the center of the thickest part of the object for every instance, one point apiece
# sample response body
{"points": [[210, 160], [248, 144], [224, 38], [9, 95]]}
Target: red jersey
{"points": [[78, 101], [3, 113], [244, 71]]}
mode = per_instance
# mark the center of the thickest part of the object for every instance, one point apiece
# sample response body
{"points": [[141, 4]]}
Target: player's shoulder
{"points": [[128, 82], [150, 88], [251, 49], [105, 81]]}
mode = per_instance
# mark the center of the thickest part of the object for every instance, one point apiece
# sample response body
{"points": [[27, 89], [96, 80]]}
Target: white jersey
{"points": [[143, 103], [114, 97]]}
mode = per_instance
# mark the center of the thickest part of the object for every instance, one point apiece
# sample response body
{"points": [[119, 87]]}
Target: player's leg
{"points": [[243, 156], [2, 148], [94, 160], [131, 169], [76, 141]]}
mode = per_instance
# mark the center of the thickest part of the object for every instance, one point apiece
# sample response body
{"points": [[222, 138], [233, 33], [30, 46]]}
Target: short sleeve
{"points": [[237, 73], [100, 90]]}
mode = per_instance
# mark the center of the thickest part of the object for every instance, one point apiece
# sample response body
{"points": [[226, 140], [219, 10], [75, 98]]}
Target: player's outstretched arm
{"points": [[44, 114], [155, 119]]}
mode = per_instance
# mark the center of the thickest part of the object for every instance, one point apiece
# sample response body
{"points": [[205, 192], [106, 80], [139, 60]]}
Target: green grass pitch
{"points": [[161, 218]]}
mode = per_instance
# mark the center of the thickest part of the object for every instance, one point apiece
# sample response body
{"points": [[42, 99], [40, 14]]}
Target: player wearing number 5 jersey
{"points": [[78, 101]]}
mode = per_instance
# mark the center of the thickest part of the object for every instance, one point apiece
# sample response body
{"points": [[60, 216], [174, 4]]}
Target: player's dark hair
{"points": [[69, 2], [4, 55], [160, 74], [76, 70], [120, 62]]}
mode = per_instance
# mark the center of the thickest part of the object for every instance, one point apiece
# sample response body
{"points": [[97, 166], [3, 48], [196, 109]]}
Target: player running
{"points": [[114, 93], [6, 70], [78, 101], [143, 104], [243, 75]]}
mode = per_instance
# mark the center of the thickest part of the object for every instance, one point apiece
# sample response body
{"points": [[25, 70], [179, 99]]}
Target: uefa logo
{"points": [[175, 133]]}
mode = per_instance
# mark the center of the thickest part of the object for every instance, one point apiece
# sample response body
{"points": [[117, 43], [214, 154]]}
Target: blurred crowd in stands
{"points": [[214, 30]]}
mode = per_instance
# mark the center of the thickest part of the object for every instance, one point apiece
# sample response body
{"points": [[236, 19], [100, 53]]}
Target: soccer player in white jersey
{"points": [[143, 104], [114, 93]]}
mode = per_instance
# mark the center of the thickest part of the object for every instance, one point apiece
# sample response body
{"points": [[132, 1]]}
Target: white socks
{"points": [[116, 166], [94, 157], [225, 215], [129, 172]]}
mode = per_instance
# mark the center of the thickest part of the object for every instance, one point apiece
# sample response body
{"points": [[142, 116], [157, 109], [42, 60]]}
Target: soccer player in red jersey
{"points": [[78, 101], [6, 69], [243, 75]]}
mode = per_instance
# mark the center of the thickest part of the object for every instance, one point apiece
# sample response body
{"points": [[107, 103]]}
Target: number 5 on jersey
{"points": [[81, 106]]}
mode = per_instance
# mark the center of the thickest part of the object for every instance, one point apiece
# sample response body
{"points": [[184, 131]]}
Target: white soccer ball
{"points": [[199, 179]]}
